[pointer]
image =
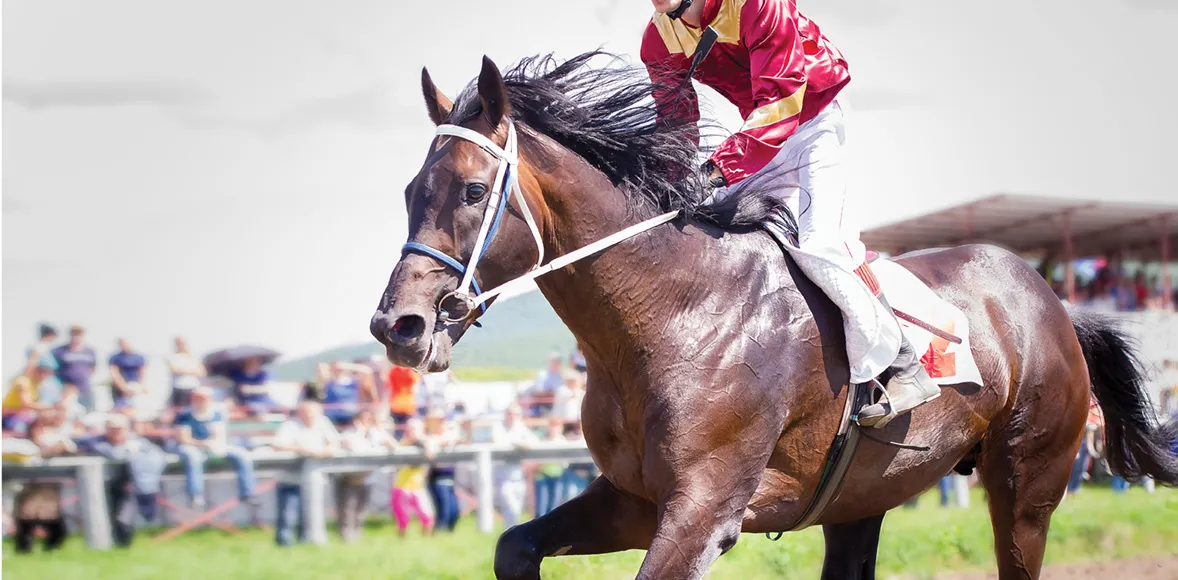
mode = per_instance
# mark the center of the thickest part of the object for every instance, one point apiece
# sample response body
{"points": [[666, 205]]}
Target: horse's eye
{"points": [[475, 191]]}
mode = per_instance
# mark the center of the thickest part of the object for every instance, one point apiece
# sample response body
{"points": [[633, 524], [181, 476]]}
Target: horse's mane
{"points": [[607, 116]]}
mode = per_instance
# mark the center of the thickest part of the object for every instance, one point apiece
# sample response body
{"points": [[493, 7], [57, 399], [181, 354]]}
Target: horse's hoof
{"points": [[516, 557], [516, 570]]}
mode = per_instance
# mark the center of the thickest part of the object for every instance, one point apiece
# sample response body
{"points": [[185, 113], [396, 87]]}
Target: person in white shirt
{"points": [[187, 373], [567, 405], [309, 434], [509, 477], [352, 490]]}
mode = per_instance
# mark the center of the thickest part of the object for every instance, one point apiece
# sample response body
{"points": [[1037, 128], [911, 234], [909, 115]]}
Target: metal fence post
{"points": [[313, 502], [91, 478], [486, 490]]}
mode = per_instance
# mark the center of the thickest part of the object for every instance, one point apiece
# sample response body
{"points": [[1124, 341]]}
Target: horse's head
{"points": [[460, 226]]}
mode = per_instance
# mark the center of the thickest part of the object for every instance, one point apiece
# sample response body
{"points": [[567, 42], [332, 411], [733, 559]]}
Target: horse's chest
{"points": [[617, 450]]}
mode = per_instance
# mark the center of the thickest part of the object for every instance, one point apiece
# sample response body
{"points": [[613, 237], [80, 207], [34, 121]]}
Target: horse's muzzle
{"points": [[407, 337], [393, 330]]}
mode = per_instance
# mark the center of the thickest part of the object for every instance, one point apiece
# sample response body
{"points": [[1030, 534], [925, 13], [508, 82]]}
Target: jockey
{"points": [[775, 65]]}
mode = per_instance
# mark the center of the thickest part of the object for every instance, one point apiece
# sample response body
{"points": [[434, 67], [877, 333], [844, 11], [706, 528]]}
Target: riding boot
{"points": [[908, 388]]}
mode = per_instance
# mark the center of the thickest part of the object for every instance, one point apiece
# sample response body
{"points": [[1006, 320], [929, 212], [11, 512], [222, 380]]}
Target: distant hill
{"points": [[517, 334]]}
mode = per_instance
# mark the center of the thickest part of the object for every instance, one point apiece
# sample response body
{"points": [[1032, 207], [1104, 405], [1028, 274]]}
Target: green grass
{"points": [[916, 542]]}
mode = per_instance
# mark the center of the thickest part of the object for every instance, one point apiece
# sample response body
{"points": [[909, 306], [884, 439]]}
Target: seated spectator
{"points": [[203, 434], [38, 503], [187, 374], [509, 476], [352, 490], [136, 484], [75, 365], [309, 434], [251, 388], [126, 376], [409, 496], [22, 403], [402, 383], [72, 412]]}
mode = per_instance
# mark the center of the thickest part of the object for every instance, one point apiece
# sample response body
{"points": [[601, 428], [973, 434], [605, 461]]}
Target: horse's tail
{"points": [[1136, 444]]}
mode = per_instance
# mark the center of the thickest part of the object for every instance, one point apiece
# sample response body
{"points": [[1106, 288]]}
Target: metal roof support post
{"points": [[1069, 275], [1165, 252]]}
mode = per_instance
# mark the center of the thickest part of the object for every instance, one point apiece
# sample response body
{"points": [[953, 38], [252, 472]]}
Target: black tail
{"points": [[1136, 444]]}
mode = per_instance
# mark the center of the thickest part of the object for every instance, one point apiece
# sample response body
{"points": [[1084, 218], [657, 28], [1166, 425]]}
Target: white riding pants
{"points": [[810, 175]]}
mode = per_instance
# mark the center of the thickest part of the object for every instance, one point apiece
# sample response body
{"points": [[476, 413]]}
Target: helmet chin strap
{"points": [[678, 12]]}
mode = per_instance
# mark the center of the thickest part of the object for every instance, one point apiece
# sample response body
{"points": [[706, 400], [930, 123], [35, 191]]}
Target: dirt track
{"points": [[1144, 568]]}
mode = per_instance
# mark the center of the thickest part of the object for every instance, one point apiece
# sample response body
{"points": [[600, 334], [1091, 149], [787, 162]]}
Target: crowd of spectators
{"points": [[1111, 290], [348, 407], [51, 409]]}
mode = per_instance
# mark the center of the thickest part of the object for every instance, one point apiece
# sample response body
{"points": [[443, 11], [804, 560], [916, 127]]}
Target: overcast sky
{"points": [[231, 170]]}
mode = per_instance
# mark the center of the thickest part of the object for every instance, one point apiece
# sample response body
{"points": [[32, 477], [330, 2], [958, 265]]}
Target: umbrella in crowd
{"points": [[225, 361]]}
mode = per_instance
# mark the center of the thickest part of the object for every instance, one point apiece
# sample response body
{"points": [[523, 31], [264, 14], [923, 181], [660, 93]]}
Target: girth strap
{"points": [[838, 458]]}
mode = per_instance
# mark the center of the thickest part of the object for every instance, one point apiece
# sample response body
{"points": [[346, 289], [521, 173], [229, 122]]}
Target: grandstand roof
{"points": [[1036, 225]]}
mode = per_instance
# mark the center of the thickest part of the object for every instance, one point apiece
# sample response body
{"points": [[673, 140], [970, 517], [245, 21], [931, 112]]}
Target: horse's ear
{"points": [[436, 104], [493, 93]]}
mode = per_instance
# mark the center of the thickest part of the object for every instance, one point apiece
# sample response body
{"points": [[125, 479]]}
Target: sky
{"points": [[232, 170]]}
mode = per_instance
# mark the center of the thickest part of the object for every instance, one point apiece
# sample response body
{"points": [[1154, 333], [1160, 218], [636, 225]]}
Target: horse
{"points": [[716, 371]]}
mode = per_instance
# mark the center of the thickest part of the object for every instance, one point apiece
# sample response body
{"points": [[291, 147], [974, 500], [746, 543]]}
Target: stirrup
{"points": [[877, 387]]}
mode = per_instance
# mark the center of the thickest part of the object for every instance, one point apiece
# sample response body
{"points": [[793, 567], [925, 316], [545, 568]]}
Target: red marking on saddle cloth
{"points": [[937, 360]]}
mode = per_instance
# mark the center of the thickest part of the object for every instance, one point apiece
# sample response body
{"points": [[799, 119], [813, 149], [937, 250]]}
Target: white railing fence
{"points": [[92, 473]]}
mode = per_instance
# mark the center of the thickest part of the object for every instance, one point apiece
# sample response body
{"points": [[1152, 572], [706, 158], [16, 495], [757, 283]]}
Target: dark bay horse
{"points": [[717, 375]]}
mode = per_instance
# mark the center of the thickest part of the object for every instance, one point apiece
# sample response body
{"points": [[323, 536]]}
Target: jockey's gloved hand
{"points": [[711, 177]]}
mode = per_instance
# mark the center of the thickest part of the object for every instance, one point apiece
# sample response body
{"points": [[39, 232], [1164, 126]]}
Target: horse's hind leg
{"points": [[602, 519], [1024, 466], [850, 549]]}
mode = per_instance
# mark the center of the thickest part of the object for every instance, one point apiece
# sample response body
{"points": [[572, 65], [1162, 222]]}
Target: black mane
{"points": [[605, 115]]}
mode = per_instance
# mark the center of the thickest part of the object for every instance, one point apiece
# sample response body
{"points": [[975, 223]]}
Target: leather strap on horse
{"points": [[838, 458]]}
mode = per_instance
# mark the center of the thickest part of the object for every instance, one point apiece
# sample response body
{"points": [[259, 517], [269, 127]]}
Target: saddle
{"points": [[930, 324]]}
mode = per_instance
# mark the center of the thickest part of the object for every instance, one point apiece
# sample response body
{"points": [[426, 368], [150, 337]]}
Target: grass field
{"points": [[916, 543]]}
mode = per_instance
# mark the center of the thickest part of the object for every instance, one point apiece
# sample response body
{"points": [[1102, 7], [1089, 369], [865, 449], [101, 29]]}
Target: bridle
{"points": [[459, 305]]}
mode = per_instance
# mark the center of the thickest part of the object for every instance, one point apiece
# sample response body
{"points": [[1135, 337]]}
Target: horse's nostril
{"points": [[407, 328]]}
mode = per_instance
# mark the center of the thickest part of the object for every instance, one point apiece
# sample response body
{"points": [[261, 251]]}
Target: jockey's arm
{"points": [[674, 95], [769, 28]]}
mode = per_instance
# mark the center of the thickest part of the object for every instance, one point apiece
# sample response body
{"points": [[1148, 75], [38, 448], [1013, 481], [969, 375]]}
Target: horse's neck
{"points": [[606, 299]]}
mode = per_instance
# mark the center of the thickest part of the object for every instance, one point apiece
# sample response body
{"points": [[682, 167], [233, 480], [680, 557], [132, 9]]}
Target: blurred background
{"points": [[231, 173]]}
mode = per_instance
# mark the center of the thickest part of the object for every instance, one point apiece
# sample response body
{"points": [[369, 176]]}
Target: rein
{"points": [[463, 304]]}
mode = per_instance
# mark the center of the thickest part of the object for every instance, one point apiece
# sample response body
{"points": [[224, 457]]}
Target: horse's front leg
{"points": [[602, 519], [709, 463]]}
